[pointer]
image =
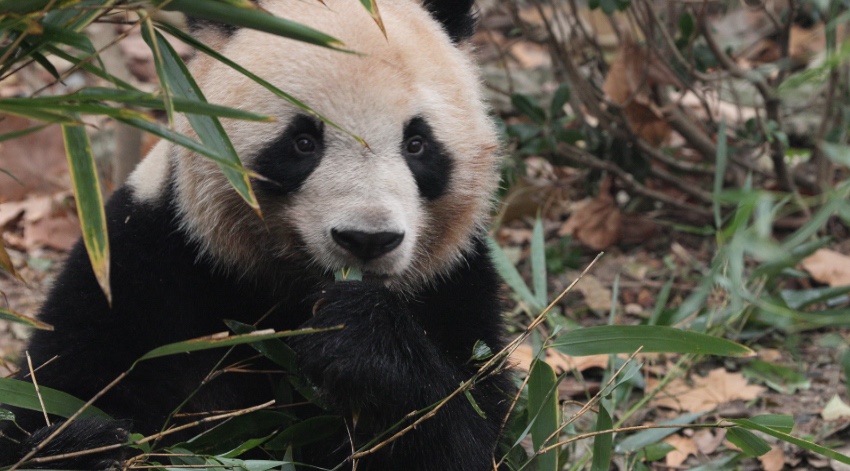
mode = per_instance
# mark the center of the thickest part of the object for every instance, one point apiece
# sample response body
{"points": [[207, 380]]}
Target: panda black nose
{"points": [[367, 245]]}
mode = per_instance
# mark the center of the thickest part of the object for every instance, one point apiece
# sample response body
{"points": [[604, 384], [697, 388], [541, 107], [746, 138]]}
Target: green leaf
{"points": [[805, 444], [348, 274], [538, 263], [747, 441], [188, 39], [543, 410], [511, 276], [305, 432], [800, 299], [642, 439], [481, 351], [777, 377], [224, 340], [250, 18], [89, 202], [371, 6], [13, 316], [559, 99], [781, 423], [653, 338], [602, 444], [525, 105], [838, 153], [7, 415], [21, 133], [22, 394], [209, 129], [474, 404], [229, 435]]}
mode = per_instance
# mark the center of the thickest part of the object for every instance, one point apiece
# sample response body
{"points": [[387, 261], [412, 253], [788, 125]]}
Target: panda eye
{"points": [[305, 144], [415, 146]]}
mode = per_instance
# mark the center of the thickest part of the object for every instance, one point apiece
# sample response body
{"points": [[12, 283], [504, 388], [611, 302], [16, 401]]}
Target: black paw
{"points": [[83, 438], [380, 351]]}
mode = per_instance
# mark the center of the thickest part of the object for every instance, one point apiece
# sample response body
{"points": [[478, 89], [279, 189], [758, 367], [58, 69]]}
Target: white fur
{"points": [[414, 71]]}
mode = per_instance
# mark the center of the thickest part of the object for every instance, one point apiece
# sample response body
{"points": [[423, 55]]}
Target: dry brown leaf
{"points": [[773, 460], [708, 442], [59, 232], [828, 267], [684, 447], [36, 160], [596, 295], [524, 355], [629, 79], [595, 222], [706, 393]]}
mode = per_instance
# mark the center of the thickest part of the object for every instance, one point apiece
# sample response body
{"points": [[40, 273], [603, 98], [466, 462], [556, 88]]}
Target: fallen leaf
{"points": [[595, 222], [706, 393], [524, 355], [597, 296], [835, 409], [60, 232], [828, 267], [628, 84], [684, 447], [708, 442], [773, 460]]}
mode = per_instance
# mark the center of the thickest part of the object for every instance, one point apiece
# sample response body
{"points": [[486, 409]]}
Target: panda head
{"points": [[405, 207]]}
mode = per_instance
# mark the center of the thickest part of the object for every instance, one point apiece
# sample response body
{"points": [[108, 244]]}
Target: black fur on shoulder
{"points": [[458, 17]]}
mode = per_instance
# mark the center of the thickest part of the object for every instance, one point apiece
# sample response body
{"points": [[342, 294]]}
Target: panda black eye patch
{"points": [[427, 158], [291, 157]]}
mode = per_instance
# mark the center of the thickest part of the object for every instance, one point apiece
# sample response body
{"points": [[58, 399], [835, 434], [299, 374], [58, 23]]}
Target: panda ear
{"points": [[458, 17]]}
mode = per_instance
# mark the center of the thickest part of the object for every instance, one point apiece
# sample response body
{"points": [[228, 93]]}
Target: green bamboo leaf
{"points": [[209, 129], [38, 113], [22, 394], [89, 202], [747, 441], [16, 134], [251, 18], [371, 6], [22, 6], [6, 415], [13, 316], [543, 410], [645, 438], [805, 444], [188, 39], [511, 276], [608, 339], [779, 422], [538, 263], [474, 404], [224, 340], [603, 444]]}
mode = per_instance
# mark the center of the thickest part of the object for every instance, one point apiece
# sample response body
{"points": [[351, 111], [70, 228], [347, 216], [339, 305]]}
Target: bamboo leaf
{"points": [[653, 338], [6, 262], [747, 441], [224, 340], [251, 18], [603, 444], [209, 129], [89, 202], [371, 6], [13, 316], [538, 263], [511, 275], [543, 409], [22, 394], [188, 39], [805, 444]]}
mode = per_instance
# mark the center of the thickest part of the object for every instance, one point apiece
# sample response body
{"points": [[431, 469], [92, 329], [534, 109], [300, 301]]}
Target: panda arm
{"points": [[396, 356]]}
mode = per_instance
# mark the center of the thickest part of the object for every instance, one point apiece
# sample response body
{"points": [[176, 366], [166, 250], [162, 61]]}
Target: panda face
{"points": [[404, 207]]}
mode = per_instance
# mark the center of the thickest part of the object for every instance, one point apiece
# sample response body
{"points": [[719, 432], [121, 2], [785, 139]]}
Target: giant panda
{"points": [[409, 210]]}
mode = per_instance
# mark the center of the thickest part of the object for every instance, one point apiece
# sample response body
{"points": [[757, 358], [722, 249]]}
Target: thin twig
{"points": [[37, 390]]}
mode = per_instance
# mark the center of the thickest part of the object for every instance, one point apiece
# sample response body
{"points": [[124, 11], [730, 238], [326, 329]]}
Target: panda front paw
{"points": [[375, 359], [79, 437]]}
